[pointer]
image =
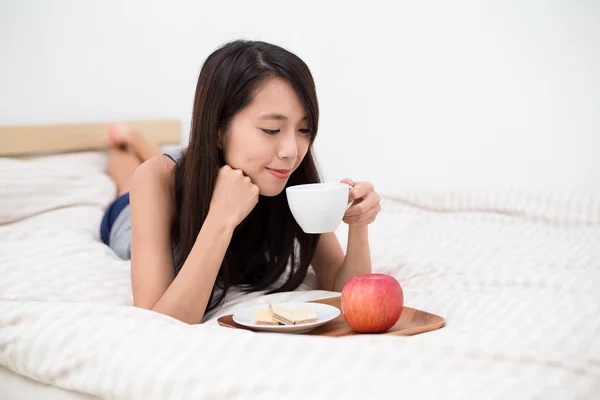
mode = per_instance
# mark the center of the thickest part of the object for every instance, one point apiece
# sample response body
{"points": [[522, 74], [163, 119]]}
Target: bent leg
{"points": [[121, 166], [122, 136], [144, 149]]}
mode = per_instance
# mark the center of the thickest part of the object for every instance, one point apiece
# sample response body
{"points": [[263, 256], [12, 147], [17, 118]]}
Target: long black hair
{"points": [[270, 239]]}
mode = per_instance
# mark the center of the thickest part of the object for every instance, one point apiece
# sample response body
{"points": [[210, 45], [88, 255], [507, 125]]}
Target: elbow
{"points": [[145, 305], [183, 317]]}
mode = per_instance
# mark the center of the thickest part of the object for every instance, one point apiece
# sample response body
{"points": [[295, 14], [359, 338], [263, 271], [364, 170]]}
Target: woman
{"points": [[199, 221]]}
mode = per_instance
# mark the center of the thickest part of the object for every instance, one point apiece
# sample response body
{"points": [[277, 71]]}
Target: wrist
{"points": [[218, 224], [355, 229]]}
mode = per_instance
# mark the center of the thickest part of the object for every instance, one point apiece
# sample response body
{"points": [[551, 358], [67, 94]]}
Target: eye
{"points": [[270, 131], [305, 131]]}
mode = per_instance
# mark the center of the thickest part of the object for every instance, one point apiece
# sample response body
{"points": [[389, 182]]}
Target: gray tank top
{"points": [[175, 155]]}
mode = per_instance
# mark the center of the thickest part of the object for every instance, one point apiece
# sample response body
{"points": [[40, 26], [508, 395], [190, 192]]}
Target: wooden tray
{"points": [[411, 322]]}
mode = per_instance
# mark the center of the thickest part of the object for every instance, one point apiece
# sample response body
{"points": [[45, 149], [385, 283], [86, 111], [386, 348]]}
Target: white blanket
{"points": [[515, 275]]}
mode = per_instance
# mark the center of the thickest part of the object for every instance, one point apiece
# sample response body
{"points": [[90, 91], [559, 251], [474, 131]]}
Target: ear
{"points": [[219, 139]]}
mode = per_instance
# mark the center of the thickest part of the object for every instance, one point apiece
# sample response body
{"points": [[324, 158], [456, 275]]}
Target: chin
{"points": [[270, 190]]}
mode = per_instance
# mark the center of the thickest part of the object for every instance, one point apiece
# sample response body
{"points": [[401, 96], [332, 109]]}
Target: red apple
{"points": [[372, 303]]}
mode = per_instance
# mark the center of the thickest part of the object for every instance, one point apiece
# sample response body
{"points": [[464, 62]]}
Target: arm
{"points": [[155, 286], [187, 297], [333, 270]]}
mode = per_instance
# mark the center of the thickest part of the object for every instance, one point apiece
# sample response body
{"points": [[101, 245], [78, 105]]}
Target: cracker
{"points": [[304, 315], [281, 314], [263, 317]]}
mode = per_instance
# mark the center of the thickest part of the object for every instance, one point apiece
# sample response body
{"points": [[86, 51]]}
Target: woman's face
{"points": [[269, 138]]}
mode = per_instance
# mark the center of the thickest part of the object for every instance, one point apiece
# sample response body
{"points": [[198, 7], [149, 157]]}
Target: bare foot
{"points": [[117, 135]]}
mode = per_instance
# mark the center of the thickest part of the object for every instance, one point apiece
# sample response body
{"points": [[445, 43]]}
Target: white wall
{"points": [[439, 93]]}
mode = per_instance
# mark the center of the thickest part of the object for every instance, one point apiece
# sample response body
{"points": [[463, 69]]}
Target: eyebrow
{"points": [[278, 117]]}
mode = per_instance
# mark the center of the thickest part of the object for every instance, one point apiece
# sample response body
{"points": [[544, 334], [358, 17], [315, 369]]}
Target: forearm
{"points": [[358, 257], [187, 297]]}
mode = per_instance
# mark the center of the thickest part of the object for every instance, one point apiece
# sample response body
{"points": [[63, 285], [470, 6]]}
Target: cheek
{"points": [[246, 151], [303, 146]]}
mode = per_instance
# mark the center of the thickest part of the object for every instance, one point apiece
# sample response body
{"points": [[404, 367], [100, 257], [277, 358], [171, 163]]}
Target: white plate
{"points": [[325, 313]]}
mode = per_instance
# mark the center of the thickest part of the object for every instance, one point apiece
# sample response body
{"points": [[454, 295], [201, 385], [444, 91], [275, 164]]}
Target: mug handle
{"points": [[351, 201], [349, 205]]}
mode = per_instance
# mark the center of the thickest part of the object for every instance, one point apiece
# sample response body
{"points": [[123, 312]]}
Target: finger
{"points": [[369, 201], [361, 189], [369, 215], [366, 215], [348, 181], [238, 171], [364, 219]]}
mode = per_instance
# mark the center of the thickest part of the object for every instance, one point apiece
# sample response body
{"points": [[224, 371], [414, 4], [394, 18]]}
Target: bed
{"points": [[515, 274]]}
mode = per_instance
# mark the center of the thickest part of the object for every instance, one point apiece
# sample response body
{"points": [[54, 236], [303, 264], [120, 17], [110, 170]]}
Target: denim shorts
{"points": [[115, 228]]}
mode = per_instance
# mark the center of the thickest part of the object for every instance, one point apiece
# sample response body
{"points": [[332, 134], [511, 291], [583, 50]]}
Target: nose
{"points": [[288, 147]]}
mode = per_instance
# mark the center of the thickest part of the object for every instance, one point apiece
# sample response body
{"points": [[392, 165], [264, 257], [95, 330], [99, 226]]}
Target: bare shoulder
{"points": [[158, 168], [155, 177]]}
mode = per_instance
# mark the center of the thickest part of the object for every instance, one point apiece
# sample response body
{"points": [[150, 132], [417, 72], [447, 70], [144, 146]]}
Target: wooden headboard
{"points": [[36, 139]]}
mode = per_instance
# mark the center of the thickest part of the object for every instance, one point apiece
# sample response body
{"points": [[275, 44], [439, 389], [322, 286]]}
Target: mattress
{"points": [[515, 274], [18, 387]]}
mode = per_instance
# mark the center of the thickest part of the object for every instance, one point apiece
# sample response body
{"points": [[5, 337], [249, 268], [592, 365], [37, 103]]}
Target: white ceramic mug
{"points": [[318, 207]]}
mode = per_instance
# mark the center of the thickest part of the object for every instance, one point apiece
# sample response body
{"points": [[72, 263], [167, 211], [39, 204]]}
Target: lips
{"points": [[280, 173]]}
